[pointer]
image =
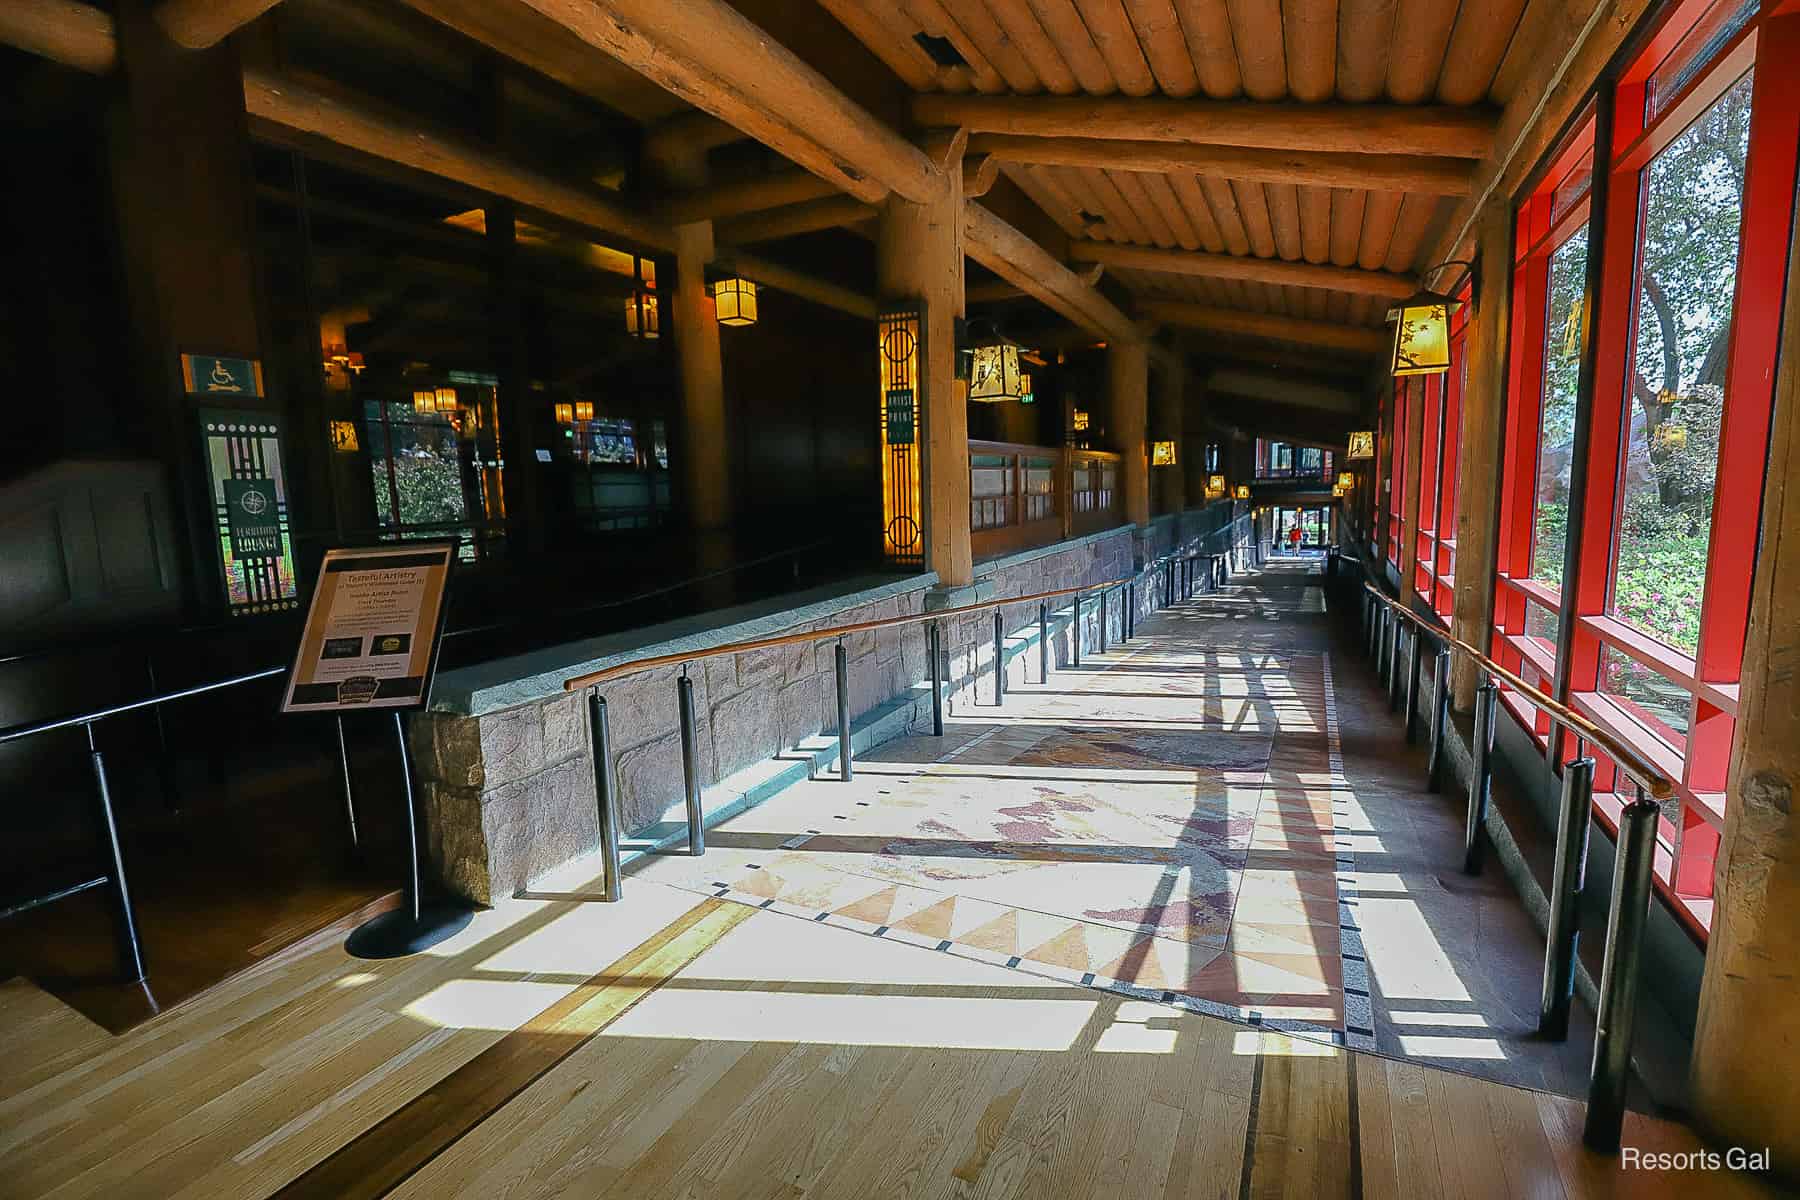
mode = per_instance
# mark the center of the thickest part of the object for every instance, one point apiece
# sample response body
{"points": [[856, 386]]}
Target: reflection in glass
{"points": [[1556, 426], [1658, 704], [1692, 204]]}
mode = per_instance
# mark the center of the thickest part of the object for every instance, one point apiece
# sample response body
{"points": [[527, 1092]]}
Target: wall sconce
{"points": [[445, 398], [734, 301], [565, 414], [1216, 483], [1346, 480], [584, 410], [343, 437], [1339, 490], [994, 374], [1162, 454], [1362, 444], [1080, 421], [425, 401], [1243, 491], [641, 317]]}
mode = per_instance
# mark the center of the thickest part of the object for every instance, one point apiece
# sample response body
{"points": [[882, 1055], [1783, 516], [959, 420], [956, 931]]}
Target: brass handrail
{"points": [[1628, 760], [591, 678]]}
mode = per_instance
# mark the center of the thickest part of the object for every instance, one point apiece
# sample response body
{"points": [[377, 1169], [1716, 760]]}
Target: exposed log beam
{"points": [[1017, 259], [747, 196], [75, 35], [1266, 325], [1315, 168], [689, 133], [795, 219], [284, 102], [1360, 129], [991, 292], [1248, 267], [1282, 387], [819, 291], [198, 24], [979, 174], [708, 53]]}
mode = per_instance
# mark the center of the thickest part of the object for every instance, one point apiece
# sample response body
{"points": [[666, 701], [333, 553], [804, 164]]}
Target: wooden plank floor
{"points": [[676, 1046]]}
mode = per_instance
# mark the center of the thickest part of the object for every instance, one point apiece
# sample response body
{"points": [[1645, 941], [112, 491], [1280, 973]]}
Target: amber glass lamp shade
{"points": [[1362, 444], [734, 301], [994, 374], [1162, 454]]}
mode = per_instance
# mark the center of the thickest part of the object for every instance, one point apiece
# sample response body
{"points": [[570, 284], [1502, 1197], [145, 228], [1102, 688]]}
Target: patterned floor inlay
{"points": [[1163, 822]]}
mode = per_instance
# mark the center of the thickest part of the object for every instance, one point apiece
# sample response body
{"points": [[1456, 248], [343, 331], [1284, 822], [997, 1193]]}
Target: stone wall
{"points": [[505, 771]]}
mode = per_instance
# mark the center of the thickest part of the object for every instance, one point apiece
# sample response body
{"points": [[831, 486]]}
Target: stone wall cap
{"points": [[488, 687], [990, 566]]}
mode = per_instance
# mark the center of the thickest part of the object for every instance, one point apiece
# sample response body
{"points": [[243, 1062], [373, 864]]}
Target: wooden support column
{"points": [[1170, 414], [704, 450], [919, 256], [1478, 454], [1744, 1089], [1128, 371], [1414, 433], [180, 152]]}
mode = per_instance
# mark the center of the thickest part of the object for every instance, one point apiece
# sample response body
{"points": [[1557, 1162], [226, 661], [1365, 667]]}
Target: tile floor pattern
{"points": [[1163, 822]]}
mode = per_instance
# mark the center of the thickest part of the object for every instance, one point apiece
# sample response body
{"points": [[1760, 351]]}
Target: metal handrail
{"points": [[1629, 761], [13, 733]]}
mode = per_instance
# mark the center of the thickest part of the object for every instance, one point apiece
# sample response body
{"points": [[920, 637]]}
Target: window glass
{"points": [[1658, 704], [1692, 201], [1556, 424], [1542, 625]]}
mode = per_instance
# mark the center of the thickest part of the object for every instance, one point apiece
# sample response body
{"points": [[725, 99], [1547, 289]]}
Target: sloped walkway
{"points": [[1176, 821]]}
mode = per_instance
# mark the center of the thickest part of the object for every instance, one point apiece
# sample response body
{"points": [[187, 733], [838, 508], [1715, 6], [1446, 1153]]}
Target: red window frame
{"points": [[1769, 43], [1434, 520]]}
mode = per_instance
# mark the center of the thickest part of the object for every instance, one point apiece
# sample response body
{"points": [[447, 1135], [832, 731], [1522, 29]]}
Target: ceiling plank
{"points": [[1428, 130], [1388, 172], [1250, 268], [198, 24], [1265, 325]]}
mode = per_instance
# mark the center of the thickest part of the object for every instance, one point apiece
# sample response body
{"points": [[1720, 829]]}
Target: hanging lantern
{"points": [[1362, 444], [565, 414], [1080, 421], [1339, 490], [641, 317], [1162, 454], [425, 401], [584, 410], [994, 374], [1216, 483], [1346, 480], [1422, 334], [446, 399], [734, 301], [1243, 491]]}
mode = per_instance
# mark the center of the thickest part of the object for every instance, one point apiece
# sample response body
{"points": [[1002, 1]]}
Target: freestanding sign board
{"points": [[371, 633]]}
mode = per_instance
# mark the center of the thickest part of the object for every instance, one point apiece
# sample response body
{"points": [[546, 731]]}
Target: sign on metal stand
{"points": [[371, 641]]}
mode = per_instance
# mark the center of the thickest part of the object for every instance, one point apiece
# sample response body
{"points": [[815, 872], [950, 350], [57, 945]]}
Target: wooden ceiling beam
{"points": [[1381, 172], [807, 287], [745, 196], [833, 213], [1269, 326], [75, 35], [1432, 131], [709, 54], [198, 24], [1246, 267], [688, 133], [1032, 269]]}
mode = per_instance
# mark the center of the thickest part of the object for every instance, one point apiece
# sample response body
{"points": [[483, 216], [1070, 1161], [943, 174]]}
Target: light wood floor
{"points": [[677, 1046]]}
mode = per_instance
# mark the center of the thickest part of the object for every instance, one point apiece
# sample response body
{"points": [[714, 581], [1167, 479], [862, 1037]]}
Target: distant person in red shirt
{"points": [[1294, 539]]}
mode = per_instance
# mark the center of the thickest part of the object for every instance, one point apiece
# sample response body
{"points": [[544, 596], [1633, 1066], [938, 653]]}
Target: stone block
{"points": [[643, 707], [455, 842], [801, 715], [566, 727], [650, 780], [744, 729], [761, 666], [447, 749], [533, 825]]}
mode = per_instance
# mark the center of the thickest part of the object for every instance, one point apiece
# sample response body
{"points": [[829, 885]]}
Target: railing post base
{"points": [[842, 663], [934, 646], [690, 764], [1616, 1014], [1562, 937], [1487, 695]]}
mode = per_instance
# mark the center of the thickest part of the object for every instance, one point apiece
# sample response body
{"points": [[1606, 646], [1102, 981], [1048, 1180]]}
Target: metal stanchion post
{"points": [[1565, 899], [690, 763], [604, 791], [1127, 618], [1043, 642], [1075, 634], [934, 646], [842, 657], [999, 660], [1395, 678], [1617, 1011], [1487, 695], [124, 916], [1103, 608], [1412, 685], [1440, 719]]}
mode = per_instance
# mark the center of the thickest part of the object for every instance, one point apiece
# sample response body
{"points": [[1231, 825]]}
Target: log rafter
{"points": [[198, 24], [1245, 267], [1268, 326]]}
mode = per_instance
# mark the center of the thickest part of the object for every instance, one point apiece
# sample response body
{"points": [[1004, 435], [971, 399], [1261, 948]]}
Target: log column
{"points": [[705, 455], [1128, 372], [919, 256], [1478, 456], [1744, 1086], [1170, 412]]}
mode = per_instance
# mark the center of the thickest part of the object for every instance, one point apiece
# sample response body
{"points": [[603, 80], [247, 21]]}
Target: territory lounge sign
{"points": [[372, 629]]}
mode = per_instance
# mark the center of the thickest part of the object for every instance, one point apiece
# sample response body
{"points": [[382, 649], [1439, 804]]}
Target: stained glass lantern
{"points": [[1216, 483], [584, 410], [1162, 454], [642, 319], [446, 399], [565, 414], [994, 374], [1243, 491], [734, 301], [1362, 444], [1346, 480], [425, 401], [1422, 334]]}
